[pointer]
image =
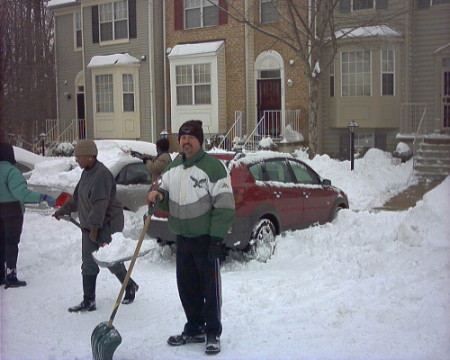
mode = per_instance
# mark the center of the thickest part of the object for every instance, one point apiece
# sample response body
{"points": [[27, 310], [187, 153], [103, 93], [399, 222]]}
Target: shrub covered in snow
{"points": [[403, 152], [267, 144], [61, 149]]}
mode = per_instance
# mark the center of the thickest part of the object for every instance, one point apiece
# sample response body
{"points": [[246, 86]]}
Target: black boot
{"points": [[130, 292], [88, 303], [11, 279]]}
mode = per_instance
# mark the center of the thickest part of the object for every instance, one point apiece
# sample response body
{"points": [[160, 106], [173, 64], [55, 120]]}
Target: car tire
{"points": [[335, 213], [262, 241]]}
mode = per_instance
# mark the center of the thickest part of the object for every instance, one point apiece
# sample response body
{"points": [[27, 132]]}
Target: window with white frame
{"points": [[113, 18], [78, 31], [423, 4], [387, 72], [364, 141], [201, 13], [128, 92], [363, 4], [104, 95], [269, 11], [346, 6], [356, 79], [193, 84]]}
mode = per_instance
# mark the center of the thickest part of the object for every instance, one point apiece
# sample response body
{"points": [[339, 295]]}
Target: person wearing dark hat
{"points": [[157, 164], [101, 215], [196, 190], [13, 194]]}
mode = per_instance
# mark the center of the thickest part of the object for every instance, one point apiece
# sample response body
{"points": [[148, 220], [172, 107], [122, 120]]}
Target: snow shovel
{"points": [[105, 338], [102, 263]]}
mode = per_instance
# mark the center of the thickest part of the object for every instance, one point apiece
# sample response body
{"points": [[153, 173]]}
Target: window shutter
{"points": [[132, 29], [95, 34], [423, 4], [382, 4], [178, 14], [344, 6], [223, 16]]}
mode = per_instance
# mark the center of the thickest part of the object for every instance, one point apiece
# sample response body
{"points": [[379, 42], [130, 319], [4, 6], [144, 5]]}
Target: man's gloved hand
{"points": [[58, 214], [146, 157], [93, 234], [50, 200], [216, 249], [136, 154]]}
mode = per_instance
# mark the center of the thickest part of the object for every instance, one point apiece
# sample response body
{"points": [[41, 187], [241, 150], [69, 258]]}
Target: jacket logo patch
{"points": [[198, 183]]}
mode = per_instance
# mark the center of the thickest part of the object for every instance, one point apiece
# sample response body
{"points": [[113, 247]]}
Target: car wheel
{"points": [[335, 212], [262, 241]]}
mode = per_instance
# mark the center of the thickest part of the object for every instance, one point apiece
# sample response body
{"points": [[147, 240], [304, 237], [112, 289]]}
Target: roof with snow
{"points": [[60, 3], [196, 49], [367, 31], [115, 59]]}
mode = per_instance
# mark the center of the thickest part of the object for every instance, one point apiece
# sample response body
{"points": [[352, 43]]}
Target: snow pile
{"points": [[370, 285]]}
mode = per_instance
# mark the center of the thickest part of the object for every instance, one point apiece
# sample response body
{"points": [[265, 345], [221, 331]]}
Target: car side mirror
{"points": [[326, 183]]}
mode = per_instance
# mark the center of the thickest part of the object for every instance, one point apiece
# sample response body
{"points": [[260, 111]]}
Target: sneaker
{"points": [[184, 339], [85, 305], [212, 345], [130, 293]]}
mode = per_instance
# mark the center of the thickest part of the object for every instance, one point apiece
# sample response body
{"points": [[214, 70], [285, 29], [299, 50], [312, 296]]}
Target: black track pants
{"points": [[10, 231], [199, 286]]}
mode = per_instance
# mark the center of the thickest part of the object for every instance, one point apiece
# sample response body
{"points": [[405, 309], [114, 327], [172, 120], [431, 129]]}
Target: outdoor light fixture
{"points": [[43, 136], [351, 128], [164, 134]]}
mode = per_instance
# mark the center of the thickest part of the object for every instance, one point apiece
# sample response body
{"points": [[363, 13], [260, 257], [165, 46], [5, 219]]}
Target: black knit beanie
{"points": [[7, 153], [193, 128]]}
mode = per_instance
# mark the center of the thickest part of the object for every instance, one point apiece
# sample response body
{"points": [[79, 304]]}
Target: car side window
{"points": [[256, 171], [278, 170], [133, 174], [302, 174]]}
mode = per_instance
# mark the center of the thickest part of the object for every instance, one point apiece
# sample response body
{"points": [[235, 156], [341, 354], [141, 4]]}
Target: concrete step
{"points": [[422, 175], [432, 161]]}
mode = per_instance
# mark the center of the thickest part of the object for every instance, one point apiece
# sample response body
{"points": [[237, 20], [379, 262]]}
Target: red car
{"points": [[273, 192]]}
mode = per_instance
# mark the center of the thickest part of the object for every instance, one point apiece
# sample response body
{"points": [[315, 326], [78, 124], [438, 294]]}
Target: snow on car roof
{"points": [[64, 171]]}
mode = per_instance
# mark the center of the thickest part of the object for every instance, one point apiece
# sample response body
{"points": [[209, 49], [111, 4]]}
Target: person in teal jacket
{"points": [[14, 193], [196, 190]]}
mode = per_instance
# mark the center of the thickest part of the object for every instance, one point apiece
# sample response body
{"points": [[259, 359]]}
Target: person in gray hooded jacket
{"points": [[101, 215]]}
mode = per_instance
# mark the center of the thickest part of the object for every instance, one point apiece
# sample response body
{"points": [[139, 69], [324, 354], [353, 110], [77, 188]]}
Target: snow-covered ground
{"points": [[370, 285]]}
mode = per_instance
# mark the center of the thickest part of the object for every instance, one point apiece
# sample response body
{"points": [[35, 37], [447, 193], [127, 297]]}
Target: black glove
{"points": [[58, 214], [146, 158], [136, 154], [216, 249]]}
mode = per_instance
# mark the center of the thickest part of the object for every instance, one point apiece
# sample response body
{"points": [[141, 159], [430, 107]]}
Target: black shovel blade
{"points": [[104, 341]]}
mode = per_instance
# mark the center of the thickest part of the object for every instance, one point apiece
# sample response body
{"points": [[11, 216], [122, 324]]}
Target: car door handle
{"points": [[306, 195], [277, 194]]}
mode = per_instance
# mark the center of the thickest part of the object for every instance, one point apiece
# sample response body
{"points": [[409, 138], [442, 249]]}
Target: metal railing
{"points": [[234, 135], [71, 131], [275, 124], [412, 119]]}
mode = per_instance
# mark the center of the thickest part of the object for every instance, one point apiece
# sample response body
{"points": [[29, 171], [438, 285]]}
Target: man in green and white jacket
{"points": [[196, 190]]}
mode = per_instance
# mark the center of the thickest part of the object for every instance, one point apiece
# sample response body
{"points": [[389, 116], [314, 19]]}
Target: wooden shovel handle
{"points": [[152, 209]]}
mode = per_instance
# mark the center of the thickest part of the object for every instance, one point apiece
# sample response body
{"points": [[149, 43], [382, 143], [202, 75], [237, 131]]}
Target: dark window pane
{"points": [[121, 29], [210, 16], [106, 31], [388, 84]]}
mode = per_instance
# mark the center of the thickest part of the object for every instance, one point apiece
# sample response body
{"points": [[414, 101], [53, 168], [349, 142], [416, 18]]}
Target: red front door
{"points": [[269, 105]]}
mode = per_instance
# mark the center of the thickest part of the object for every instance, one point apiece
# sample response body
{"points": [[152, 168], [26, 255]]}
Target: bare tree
{"points": [[310, 29], [27, 80]]}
